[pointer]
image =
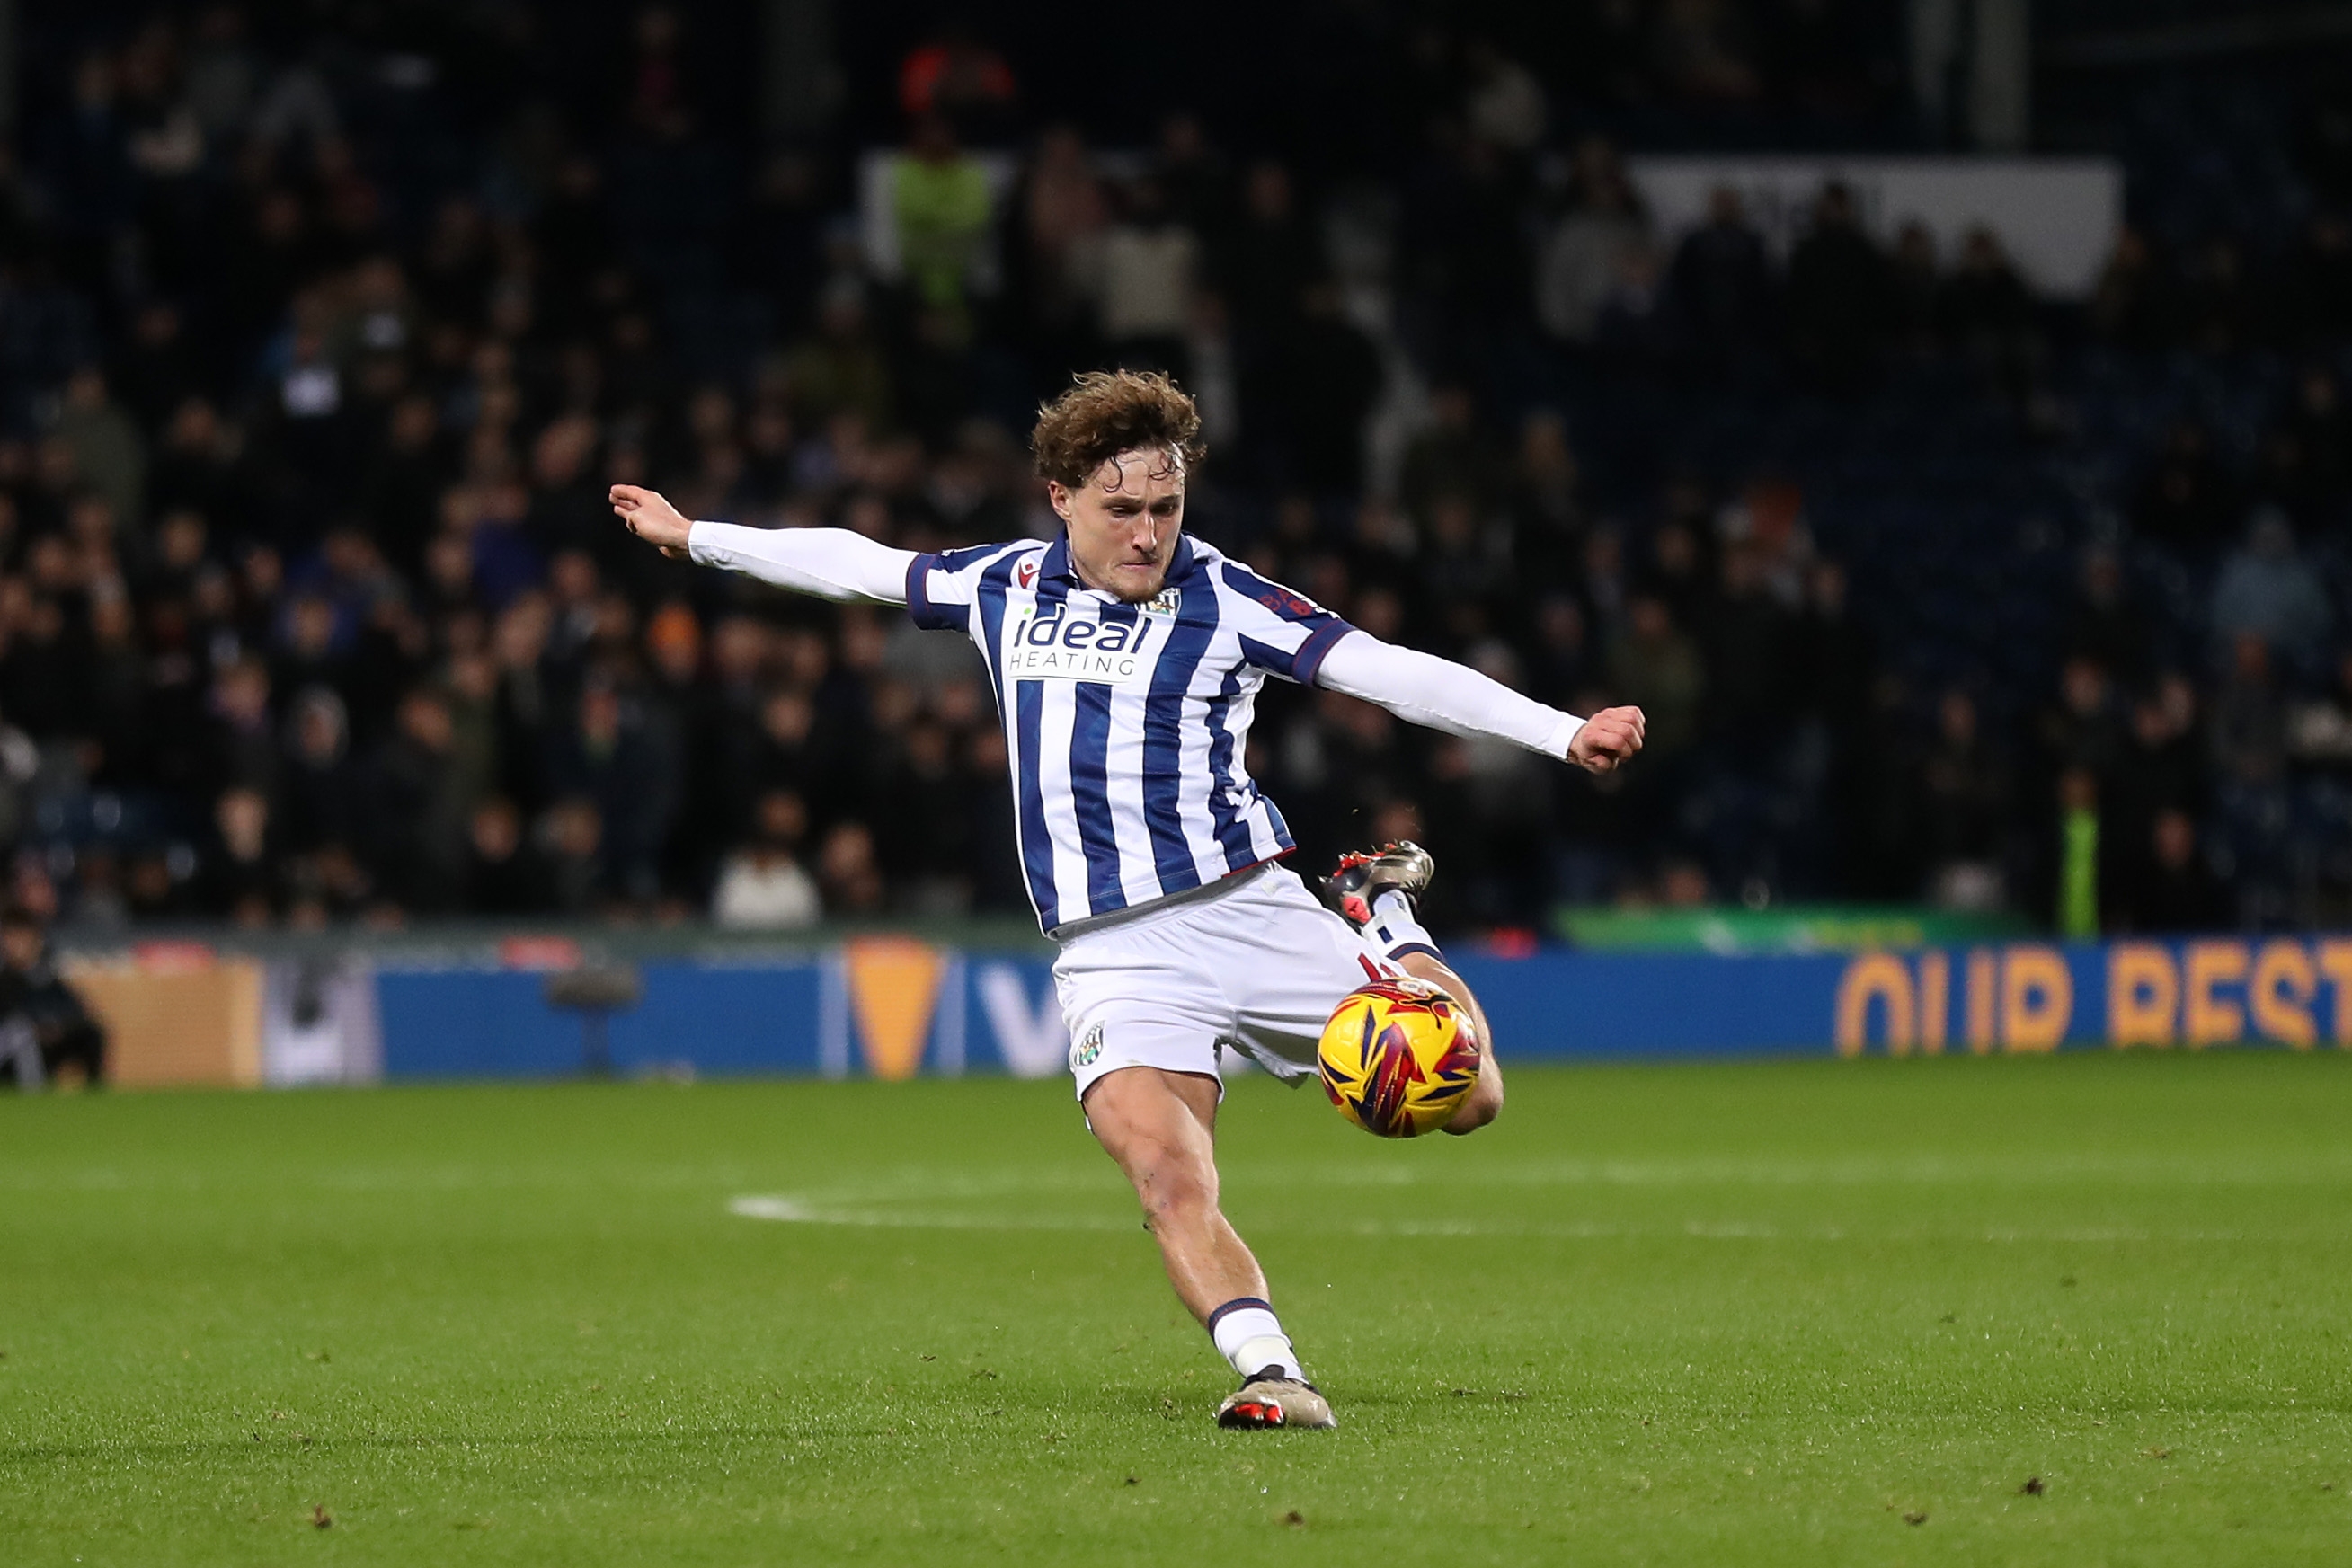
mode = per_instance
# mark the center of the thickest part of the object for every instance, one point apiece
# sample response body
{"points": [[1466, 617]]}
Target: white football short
{"points": [[1254, 965]]}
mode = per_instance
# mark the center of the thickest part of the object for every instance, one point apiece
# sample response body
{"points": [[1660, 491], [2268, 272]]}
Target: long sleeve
{"points": [[1421, 688], [831, 563]]}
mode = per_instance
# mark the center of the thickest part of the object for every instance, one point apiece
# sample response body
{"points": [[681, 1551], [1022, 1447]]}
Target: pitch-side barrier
{"points": [[895, 1005]]}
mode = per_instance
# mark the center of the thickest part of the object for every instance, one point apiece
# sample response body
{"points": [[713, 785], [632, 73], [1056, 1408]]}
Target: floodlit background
{"points": [[1930, 413]]}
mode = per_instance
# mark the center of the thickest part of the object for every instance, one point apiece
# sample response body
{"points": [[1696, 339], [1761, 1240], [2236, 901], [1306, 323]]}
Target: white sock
{"points": [[1248, 1334], [1395, 930]]}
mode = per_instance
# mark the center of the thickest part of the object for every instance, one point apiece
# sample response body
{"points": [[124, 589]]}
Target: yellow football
{"points": [[1398, 1058]]}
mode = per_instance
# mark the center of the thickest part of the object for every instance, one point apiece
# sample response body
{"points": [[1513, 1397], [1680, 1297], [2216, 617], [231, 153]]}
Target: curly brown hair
{"points": [[1106, 413]]}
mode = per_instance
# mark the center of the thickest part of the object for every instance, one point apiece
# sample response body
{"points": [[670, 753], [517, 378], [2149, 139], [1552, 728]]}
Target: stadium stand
{"points": [[313, 368]]}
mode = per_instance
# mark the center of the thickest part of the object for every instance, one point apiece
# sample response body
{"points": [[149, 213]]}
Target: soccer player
{"points": [[1126, 658]]}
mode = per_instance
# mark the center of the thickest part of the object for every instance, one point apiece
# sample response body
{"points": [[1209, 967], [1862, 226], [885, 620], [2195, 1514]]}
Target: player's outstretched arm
{"points": [[1424, 689], [831, 563]]}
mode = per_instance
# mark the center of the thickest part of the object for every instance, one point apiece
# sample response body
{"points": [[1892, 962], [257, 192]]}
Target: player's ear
{"points": [[1057, 495]]}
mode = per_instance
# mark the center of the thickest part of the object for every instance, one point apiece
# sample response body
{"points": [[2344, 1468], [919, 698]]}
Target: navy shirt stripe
{"points": [[1090, 795], [1036, 843], [1233, 833], [1163, 740]]}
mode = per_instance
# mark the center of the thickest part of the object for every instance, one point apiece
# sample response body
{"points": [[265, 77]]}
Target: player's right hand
{"points": [[1609, 737], [649, 516]]}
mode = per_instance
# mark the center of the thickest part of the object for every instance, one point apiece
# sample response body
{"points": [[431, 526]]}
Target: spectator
{"points": [[321, 786], [2127, 308], [1915, 289], [1325, 381], [239, 877], [2185, 500], [1149, 261], [1055, 251], [1658, 670], [1272, 256], [1989, 315], [2268, 593], [573, 833], [846, 870], [2079, 862], [1547, 508], [2161, 767], [2168, 887], [1723, 282], [763, 887], [2248, 737], [1839, 296], [244, 741], [1453, 457], [840, 370], [2082, 732], [940, 201], [1586, 250], [2105, 623], [1505, 105], [504, 872], [107, 446], [416, 812], [608, 756], [1965, 788], [48, 1034]]}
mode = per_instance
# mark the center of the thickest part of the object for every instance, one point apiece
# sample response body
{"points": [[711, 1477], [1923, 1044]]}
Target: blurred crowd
{"points": [[312, 610]]}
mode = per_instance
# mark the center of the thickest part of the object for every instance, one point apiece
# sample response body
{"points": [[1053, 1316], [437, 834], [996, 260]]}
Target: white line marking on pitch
{"points": [[786, 1208]]}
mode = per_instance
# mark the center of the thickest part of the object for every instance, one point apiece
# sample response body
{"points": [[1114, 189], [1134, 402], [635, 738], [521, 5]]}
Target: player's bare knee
{"points": [[1173, 1191], [1173, 1181]]}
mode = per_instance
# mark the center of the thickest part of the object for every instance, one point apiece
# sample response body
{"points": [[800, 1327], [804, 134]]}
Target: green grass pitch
{"points": [[1786, 1313]]}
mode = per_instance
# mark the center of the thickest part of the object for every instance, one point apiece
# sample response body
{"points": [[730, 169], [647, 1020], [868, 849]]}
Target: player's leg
{"points": [[1375, 893], [1145, 1012], [1160, 1128], [1485, 1101]]}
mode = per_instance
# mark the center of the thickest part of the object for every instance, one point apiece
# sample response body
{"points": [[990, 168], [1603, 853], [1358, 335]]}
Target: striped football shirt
{"points": [[1127, 723]]}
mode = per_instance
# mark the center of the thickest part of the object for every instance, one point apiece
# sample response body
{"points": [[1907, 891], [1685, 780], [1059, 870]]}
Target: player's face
{"points": [[1123, 523]]}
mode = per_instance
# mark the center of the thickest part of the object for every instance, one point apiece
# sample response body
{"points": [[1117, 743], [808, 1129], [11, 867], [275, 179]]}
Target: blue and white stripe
{"points": [[1128, 725]]}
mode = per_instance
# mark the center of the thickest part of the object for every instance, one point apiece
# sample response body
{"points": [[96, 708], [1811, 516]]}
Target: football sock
{"points": [[1395, 930], [1248, 1334]]}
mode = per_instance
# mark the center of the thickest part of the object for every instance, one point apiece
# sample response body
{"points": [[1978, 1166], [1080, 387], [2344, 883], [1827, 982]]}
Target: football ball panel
{"points": [[1398, 1057]]}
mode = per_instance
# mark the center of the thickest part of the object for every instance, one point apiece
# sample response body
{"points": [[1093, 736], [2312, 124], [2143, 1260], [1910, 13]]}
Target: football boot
{"points": [[1361, 878], [1272, 1399]]}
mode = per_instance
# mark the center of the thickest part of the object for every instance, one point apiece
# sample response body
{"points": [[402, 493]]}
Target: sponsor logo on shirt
{"points": [[1060, 646]]}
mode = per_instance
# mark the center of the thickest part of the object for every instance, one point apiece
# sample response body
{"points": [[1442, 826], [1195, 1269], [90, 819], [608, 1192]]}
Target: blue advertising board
{"points": [[893, 1006]]}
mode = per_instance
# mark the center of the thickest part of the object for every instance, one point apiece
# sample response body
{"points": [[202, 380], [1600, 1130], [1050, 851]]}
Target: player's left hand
{"points": [[1609, 737], [651, 517]]}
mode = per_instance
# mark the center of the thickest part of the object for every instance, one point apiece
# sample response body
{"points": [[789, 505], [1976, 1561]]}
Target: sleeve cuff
{"points": [[1311, 653], [930, 617], [1565, 736]]}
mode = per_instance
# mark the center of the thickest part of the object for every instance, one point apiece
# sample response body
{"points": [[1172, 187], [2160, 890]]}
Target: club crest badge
{"points": [[1165, 602], [1083, 1054]]}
